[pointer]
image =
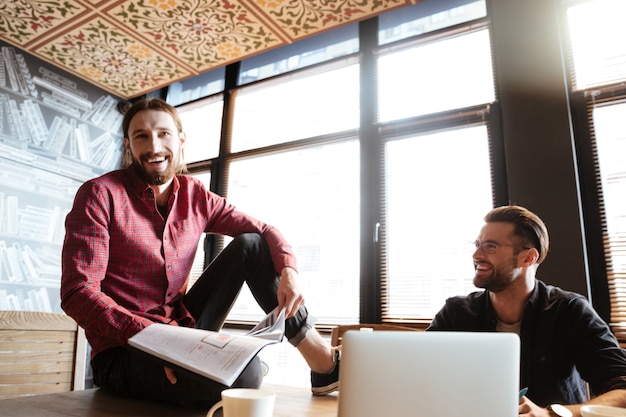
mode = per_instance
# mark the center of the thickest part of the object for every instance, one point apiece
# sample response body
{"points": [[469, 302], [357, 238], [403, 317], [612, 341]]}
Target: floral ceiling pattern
{"points": [[130, 48]]}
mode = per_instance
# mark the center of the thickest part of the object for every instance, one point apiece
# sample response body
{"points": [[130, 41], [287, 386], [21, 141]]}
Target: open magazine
{"points": [[219, 356]]}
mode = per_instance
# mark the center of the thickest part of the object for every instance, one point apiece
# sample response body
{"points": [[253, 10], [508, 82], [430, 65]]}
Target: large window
{"points": [[428, 178], [598, 69], [202, 123], [196, 88], [298, 153], [607, 118], [311, 103], [439, 88], [450, 73], [311, 195], [598, 42], [302, 54], [294, 164], [297, 150], [430, 16]]}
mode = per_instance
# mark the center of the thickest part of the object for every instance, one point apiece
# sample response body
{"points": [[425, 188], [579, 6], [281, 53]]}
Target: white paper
{"points": [[216, 355]]}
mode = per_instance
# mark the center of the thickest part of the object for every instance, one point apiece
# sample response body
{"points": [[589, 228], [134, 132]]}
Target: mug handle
{"points": [[214, 408]]}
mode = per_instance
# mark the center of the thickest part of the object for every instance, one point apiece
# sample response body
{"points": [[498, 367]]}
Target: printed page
{"points": [[215, 355], [271, 327]]}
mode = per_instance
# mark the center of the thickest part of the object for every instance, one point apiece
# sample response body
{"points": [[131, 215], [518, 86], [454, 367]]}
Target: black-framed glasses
{"points": [[491, 247]]}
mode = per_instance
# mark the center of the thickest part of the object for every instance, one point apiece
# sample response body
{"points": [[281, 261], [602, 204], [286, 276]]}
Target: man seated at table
{"points": [[564, 342], [131, 238]]}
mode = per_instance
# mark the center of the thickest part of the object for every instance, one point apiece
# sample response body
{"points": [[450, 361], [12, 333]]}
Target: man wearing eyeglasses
{"points": [[564, 342]]}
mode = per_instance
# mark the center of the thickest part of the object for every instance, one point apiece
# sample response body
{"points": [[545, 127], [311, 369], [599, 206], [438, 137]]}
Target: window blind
{"points": [[597, 66], [609, 145]]}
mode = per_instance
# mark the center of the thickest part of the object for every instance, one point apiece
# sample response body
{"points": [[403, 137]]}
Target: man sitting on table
{"points": [[131, 238], [564, 342]]}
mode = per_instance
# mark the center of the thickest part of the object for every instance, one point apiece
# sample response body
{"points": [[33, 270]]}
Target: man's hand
{"points": [[289, 295], [171, 376], [527, 408]]}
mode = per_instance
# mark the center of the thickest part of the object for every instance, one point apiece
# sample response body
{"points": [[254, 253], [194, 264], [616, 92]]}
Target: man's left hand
{"points": [[289, 295]]}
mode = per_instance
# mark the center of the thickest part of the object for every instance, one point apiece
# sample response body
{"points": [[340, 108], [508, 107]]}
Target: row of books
{"points": [[104, 113], [21, 264], [66, 135], [56, 91], [52, 138], [68, 109], [50, 176], [58, 173], [30, 221], [64, 92], [14, 68], [74, 139], [34, 299]]}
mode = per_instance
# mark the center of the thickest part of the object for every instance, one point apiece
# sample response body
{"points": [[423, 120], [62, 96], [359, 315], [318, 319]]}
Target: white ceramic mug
{"points": [[602, 411], [245, 402]]}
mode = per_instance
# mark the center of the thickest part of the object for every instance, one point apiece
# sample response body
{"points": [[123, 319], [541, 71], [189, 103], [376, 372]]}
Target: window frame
{"points": [[582, 102], [373, 136]]}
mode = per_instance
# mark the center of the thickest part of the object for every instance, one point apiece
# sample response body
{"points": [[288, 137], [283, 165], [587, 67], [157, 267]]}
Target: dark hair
{"points": [[528, 227], [149, 104]]}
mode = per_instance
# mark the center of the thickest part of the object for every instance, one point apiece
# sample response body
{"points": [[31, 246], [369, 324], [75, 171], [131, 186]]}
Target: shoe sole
{"points": [[319, 391]]}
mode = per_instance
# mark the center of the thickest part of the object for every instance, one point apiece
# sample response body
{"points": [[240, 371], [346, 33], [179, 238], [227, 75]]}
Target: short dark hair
{"points": [[528, 227]]}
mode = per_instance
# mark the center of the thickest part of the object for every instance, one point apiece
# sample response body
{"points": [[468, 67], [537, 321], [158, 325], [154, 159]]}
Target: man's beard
{"points": [[499, 279], [158, 177]]}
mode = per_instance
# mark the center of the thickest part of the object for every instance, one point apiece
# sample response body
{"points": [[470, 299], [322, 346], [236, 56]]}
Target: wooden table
{"points": [[290, 402]]}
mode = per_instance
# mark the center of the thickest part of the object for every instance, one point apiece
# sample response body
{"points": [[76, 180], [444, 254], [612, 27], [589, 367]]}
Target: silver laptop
{"points": [[429, 374]]}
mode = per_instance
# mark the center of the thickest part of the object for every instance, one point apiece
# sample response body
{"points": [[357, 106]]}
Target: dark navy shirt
{"points": [[564, 343]]}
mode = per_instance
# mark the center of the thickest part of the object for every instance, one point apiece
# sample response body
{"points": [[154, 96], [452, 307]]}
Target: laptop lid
{"points": [[429, 374]]}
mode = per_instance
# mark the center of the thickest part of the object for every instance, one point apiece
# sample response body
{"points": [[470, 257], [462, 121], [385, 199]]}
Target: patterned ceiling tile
{"points": [[202, 33], [110, 58], [22, 21], [132, 47], [301, 18]]}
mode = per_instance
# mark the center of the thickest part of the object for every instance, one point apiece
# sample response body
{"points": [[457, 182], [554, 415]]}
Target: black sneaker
{"points": [[324, 384]]}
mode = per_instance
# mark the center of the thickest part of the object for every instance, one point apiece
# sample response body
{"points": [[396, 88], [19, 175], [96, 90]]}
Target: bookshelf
{"points": [[56, 131]]}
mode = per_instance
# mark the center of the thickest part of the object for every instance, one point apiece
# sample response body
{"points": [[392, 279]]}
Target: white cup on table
{"points": [[245, 402], [593, 410]]}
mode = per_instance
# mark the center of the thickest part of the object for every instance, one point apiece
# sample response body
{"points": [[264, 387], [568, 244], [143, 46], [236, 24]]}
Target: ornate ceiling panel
{"points": [[130, 48]]}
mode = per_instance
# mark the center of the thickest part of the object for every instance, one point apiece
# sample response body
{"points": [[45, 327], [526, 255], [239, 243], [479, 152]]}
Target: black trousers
{"points": [[246, 259]]}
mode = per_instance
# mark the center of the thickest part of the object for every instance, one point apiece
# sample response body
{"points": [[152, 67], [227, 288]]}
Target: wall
{"points": [[56, 131], [538, 144]]}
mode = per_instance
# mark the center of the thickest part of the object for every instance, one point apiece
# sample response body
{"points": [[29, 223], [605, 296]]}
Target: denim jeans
{"points": [[246, 259]]}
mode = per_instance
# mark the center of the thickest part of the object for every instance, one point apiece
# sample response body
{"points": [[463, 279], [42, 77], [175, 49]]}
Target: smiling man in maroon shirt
{"points": [[131, 238]]}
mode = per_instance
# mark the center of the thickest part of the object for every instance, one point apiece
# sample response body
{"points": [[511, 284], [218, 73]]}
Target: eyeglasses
{"points": [[491, 247]]}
